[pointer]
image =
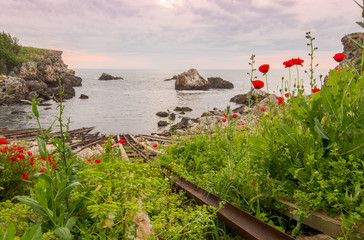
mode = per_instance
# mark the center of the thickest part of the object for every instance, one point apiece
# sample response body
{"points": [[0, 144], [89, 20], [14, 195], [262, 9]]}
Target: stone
{"points": [[219, 83], [191, 80], [83, 96], [18, 112], [162, 114], [106, 76], [162, 123], [183, 109], [172, 116], [256, 96], [170, 79]]}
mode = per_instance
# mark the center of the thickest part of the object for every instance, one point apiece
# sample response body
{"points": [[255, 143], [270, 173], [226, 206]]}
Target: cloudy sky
{"points": [[180, 34]]}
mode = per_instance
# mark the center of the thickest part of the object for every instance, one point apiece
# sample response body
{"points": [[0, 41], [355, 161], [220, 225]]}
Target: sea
{"points": [[130, 105]]}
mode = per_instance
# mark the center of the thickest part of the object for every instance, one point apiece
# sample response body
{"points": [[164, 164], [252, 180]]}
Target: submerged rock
{"points": [[83, 96]]}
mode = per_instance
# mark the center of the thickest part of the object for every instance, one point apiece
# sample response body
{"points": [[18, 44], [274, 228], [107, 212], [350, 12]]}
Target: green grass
{"points": [[28, 53]]}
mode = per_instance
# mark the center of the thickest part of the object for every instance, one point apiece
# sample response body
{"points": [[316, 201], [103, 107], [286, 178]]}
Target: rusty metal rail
{"points": [[130, 141], [241, 222]]}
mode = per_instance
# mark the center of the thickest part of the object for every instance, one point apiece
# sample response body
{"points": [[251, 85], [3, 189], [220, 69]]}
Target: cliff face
{"points": [[39, 76], [352, 52]]}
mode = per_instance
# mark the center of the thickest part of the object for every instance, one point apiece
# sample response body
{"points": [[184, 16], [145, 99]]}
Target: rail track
{"points": [[140, 147]]}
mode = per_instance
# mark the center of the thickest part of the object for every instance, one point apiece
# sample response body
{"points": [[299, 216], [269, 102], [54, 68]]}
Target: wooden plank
{"points": [[122, 149], [318, 221]]}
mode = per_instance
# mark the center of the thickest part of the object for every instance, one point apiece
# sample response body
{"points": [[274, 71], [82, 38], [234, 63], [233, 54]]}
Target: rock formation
{"points": [[192, 80], [106, 76], [217, 82], [352, 52], [40, 76]]}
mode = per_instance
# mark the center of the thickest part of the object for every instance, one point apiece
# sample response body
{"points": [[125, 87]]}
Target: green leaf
{"points": [[71, 222], [64, 233], [66, 191], [43, 176], [35, 109], [33, 204], [321, 132], [10, 232], [42, 147], [357, 145], [35, 233], [80, 202]]}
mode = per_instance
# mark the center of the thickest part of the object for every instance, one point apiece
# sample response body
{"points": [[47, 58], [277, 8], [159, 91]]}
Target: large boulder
{"points": [[255, 96], [106, 76], [217, 82], [12, 90], [191, 80]]}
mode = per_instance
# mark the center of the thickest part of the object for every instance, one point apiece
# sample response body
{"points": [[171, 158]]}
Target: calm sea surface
{"points": [[130, 105]]}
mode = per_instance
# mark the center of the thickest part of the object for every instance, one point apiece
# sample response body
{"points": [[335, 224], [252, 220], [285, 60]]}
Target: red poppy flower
{"points": [[243, 124], [49, 159], [29, 153], [20, 156], [297, 61], [263, 109], [235, 115], [14, 159], [315, 90], [42, 171], [280, 100], [122, 141], [31, 162], [286, 95], [105, 139], [264, 68], [288, 63], [224, 114], [155, 145], [88, 160], [258, 84], [224, 120], [97, 160], [3, 141], [25, 176], [339, 57], [43, 158]]}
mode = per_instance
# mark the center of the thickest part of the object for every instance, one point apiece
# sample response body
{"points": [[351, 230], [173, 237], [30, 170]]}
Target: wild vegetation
{"points": [[12, 54], [304, 148]]}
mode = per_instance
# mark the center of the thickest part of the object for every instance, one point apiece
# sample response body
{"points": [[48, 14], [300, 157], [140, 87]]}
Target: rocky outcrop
{"points": [[352, 52], [40, 76], [191, 80], [12, 90], [255, 96], [219, 83], [106, 76]]}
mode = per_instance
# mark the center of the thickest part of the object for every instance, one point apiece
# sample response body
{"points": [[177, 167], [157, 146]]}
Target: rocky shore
{"points": [[39, 76], [251, 105]]}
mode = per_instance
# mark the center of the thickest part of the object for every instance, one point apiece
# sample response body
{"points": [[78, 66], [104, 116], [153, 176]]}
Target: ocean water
{"points": [[130, 105]]}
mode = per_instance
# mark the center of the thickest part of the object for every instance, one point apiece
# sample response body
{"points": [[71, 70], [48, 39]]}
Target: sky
{"points": [[181, 34]]}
